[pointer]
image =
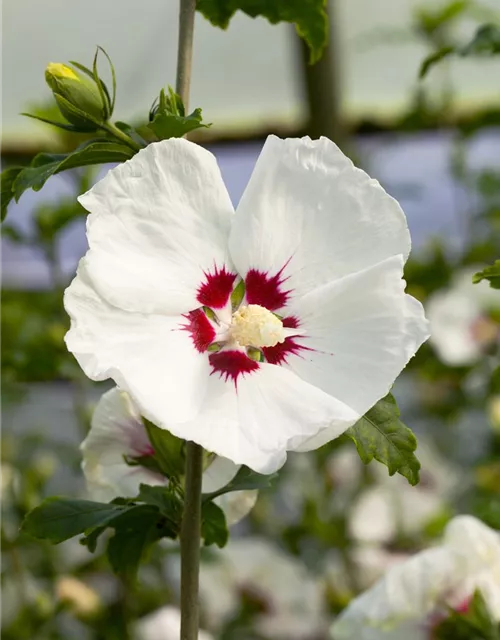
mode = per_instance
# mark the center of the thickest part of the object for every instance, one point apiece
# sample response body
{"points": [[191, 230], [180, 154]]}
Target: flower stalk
{"points": [[190, 542], [190, 536]]}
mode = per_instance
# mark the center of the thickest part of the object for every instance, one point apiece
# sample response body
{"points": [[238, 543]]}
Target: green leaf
{"points": [[168, 503], [475, 623], [46, 165], [491, 273], [308, 16], [380, 434], [485, 42], [168, 450], [58, 519], [245, 479], [8, 178], [134, 533], [61, 125], [433, 59], [169, 119], [213, 525]]}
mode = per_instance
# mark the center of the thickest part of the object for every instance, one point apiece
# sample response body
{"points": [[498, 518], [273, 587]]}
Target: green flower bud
{"points": [[77, 96]]}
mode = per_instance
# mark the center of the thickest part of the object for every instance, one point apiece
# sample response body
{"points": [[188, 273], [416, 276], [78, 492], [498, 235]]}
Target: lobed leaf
{"points": [[308, 16], [380, 434]]}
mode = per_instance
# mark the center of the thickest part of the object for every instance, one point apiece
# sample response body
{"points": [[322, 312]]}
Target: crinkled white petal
{"points": [[400, 603], [218, 474], [308, 207], [157, 222], [362, 330], [116, 431], [150, 356], [269, 412], [480, 547], [162, 624]]}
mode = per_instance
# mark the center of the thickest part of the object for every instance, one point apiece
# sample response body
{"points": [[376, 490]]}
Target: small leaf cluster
{"points": [[138, 522], [86, 106], [491, 274], [486, 42]]}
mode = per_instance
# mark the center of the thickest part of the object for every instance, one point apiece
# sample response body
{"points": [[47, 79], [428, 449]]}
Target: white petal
{"points": [[270, 411], [452, 315], [307, 207], [117, 431], [398, 606], [219, 473], [162, 624], [237, 504], [470, 535], [363, 329], [149, 356], [158, 222], [480, 547]]}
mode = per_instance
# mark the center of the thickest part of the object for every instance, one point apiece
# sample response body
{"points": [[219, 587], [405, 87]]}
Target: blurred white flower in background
{"points": [[462, 326], [290, 601], [117, 433], [392, 508], [413, 596], [270, 329], [162, 624]]}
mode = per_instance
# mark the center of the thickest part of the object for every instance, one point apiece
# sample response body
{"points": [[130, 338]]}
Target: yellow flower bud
{"points": [[77, 96], [78, 596]]}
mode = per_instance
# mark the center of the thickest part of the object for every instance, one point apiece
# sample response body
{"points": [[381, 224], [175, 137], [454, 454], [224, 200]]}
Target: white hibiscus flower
{"points": [[462, 328], [162, 624], [289, 601], [118, 433], [413, 596], [324, 327]]}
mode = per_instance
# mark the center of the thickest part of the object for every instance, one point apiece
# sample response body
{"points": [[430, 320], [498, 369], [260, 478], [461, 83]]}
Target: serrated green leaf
{"points": [[8, 178], [46, 165], [308, 16], [168, 450], [166, 126], [491, 273], [246, 479], [213, 525], [380, 434], [58, 519]]}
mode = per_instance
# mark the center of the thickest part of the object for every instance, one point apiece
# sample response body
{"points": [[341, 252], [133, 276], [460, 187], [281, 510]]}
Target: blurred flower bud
{"points": [[80, 598], [77, 96], [494, 412]]}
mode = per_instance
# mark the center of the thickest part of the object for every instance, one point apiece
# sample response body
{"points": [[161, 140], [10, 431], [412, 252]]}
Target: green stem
{"points": [[191, 520], [185, 49], [190, 542], [120, 135]]}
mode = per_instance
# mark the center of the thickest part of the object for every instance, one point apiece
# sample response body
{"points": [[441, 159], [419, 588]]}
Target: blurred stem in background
{"points": [[322, 84]]}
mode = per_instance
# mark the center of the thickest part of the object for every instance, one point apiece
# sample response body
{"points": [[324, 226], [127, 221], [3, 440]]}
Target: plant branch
{"points": [[185, 49], [190, 542], [120, 135]]}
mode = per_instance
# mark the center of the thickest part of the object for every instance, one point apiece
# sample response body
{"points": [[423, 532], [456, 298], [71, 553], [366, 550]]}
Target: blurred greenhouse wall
{"points": [[245, 78]]}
